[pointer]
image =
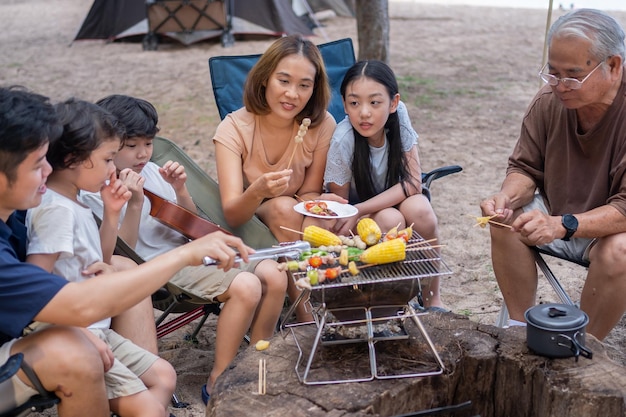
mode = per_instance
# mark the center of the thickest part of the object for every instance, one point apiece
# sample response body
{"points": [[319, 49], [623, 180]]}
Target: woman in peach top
{"points": [[260, 167]]}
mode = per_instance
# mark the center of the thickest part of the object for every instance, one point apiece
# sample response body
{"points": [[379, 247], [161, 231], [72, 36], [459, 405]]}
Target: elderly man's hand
{"points": [[497, 205], [538, 228]]}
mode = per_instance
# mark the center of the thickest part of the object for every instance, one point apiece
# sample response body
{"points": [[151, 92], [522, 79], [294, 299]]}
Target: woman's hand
{"points": [[273, 184]]}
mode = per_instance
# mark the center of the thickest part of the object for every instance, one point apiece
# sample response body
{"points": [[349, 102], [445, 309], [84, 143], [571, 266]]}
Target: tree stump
{"points": [[491, 367]]}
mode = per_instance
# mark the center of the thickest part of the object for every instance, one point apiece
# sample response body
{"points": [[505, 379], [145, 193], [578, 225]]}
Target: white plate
{"points": [[342, 210]]}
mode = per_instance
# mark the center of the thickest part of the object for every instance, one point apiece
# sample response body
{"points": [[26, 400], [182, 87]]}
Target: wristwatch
{"points": [[570, 223]]}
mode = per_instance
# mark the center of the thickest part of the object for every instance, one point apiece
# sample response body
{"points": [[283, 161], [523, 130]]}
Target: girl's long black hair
{"points": [[397, 163]]}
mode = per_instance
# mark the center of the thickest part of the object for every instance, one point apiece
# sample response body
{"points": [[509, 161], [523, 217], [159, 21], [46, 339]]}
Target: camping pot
{"points": [[557, 330]]}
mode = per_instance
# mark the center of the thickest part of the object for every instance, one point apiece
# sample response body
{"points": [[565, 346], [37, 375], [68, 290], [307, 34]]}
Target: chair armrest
{"points": [[430, 176], [11, 366]]}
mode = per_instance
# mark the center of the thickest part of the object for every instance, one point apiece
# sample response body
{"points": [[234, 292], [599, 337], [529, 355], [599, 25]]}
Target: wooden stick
{"points": [[420, 243], [292, 155], [304, 126], [291, 230], [298, 198], [426, 247], [262, 377], [500, 224], [359, 267]]}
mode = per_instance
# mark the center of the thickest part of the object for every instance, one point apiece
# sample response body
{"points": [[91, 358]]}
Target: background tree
{"points": [[372, 20]]}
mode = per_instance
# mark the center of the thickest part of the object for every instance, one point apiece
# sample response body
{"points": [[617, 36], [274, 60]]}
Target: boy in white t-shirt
{"points": [[253, 297]]}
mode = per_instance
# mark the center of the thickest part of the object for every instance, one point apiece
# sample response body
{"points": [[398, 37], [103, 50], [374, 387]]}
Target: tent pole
{"points": [[545, 42], [306, 5]]}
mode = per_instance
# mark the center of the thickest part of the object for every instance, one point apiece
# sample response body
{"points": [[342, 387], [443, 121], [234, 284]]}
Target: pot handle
{"points": [[575, 346]]}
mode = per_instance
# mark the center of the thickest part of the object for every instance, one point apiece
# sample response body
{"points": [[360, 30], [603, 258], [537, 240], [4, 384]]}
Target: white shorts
{"points": [[576, 249], [131, 361]]}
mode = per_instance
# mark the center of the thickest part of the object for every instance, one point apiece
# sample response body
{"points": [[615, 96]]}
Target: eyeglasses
{"points": [[570, 83]]}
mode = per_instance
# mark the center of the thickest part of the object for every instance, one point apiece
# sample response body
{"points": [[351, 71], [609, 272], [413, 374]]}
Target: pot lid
{"points": [[556, 316]]}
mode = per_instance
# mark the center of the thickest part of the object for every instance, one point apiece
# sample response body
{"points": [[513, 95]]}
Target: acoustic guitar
{"points": [[179, 218]]}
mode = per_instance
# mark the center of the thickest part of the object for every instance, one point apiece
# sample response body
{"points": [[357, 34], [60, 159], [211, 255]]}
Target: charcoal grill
{"points": [[377, 295]]}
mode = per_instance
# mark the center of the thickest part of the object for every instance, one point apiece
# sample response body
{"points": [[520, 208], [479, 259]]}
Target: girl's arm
{"points": [[388, 198], [397, 193], [108, 235], [415, 170]]}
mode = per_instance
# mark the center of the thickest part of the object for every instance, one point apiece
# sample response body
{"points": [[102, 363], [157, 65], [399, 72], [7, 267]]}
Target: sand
{"points": [[466, 74]]}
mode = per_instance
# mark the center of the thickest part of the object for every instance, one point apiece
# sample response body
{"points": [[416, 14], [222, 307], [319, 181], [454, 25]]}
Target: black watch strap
{"points": [[570, 223]]}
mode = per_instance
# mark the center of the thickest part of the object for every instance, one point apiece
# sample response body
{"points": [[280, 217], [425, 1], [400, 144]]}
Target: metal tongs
{"points": [[285, 249]]}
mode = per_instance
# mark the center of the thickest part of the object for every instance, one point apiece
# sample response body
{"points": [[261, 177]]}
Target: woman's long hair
{"points": [[397, 163]]}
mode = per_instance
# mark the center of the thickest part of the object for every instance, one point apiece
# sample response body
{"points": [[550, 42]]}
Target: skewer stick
{"points": [[298, 198], [421, 243], [292, 230], [359, 267], [426, 247], [500, 224], [304, 126], [262, 377]]}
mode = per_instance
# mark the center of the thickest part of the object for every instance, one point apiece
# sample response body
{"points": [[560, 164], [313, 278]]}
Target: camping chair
{"points": [[171, 298], [564, 298], [228, 76], [36, 403]]}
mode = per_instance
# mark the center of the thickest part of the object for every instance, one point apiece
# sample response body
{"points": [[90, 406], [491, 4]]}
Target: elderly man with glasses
{"points": [[565, 186]]}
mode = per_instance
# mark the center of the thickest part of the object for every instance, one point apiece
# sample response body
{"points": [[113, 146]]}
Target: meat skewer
{"points": [[304, 127]]}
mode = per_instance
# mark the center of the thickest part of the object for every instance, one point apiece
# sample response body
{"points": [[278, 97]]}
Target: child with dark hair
{"points": [[373, 160], [66, 360], [253, 296], [64, 239]]}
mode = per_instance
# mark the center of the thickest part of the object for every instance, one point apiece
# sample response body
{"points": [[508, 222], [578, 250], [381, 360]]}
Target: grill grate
{"points": [[420, 262], [394, 283]]}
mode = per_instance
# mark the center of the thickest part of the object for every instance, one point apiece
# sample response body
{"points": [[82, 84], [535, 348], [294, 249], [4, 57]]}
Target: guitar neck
{"points": [[179, 218]]}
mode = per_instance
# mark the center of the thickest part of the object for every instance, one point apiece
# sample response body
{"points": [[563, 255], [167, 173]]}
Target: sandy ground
{"points": [[466, 75]]}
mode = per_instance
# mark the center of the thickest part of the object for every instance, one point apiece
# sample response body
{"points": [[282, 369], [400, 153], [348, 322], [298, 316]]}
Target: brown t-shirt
{"points": [[239, 132], [574, 172]]}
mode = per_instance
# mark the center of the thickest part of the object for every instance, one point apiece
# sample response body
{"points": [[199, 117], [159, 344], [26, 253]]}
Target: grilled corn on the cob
{"points": [[368, 231], [386, 252], [317, 236]]}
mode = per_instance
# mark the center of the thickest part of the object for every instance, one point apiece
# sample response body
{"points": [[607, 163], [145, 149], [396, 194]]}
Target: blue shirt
{"points": [[25, 289]]}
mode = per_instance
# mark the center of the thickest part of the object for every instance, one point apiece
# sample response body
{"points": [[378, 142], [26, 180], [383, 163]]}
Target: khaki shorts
{"points": [[131, 361], [576, 249], [13, 392], [208, 282]]}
